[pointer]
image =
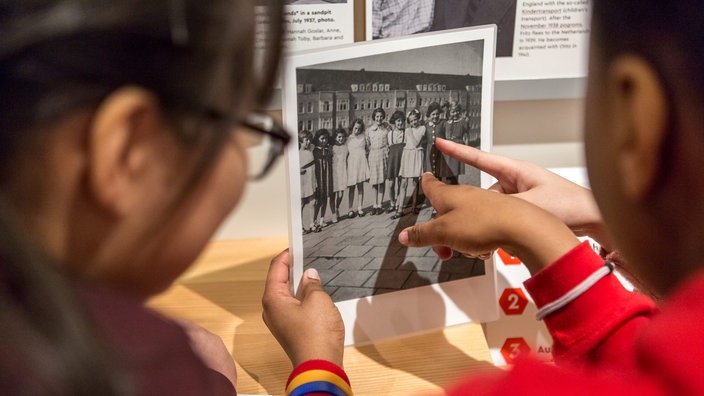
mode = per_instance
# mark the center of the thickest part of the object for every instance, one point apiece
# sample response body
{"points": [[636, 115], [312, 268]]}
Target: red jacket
{"points": [[608, 341]]}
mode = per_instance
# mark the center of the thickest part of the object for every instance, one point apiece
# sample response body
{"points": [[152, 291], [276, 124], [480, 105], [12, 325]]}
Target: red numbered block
{"points": [[508, 259], [513, 348], [513, 301]]}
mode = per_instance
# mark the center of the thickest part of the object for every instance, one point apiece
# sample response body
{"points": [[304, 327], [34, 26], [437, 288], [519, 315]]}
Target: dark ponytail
{"points": [[47, 347], [666, 33]]}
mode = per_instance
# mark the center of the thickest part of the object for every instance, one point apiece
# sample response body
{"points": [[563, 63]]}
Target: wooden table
{"points": [[222, 292]]}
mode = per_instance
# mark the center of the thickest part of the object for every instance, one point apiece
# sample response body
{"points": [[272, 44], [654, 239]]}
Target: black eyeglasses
{"points": [[265, 139]]}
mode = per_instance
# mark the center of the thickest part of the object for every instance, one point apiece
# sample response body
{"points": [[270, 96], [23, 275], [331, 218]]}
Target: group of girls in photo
{"points": [[326, 171], [393, 154], [319, 176]]}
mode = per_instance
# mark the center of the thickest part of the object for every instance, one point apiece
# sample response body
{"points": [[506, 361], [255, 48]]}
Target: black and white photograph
{"points": [[366, 135], [394, 18], [297, 2], [366, 127]]}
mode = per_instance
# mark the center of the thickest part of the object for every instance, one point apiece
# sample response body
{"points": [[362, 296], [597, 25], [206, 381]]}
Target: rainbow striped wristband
{"points": [[318, 377]]}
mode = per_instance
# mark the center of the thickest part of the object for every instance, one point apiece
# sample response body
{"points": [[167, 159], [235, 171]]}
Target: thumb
{"points": [[430, 185], [431, 233], [432, 188], [428, 180], [310, 282]]}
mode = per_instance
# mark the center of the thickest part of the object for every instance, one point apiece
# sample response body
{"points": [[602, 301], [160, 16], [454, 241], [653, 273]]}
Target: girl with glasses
{"points": [[128, 130]]}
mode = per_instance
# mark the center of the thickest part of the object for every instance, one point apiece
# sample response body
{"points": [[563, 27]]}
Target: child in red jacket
{"points": [[644, 143]]}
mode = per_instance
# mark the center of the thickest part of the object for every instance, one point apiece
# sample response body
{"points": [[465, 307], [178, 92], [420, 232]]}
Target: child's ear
{"points": [[118, 154], [639, 121]]}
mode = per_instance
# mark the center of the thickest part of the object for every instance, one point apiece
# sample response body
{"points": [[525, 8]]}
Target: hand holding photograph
{"points": [[366, 117]]}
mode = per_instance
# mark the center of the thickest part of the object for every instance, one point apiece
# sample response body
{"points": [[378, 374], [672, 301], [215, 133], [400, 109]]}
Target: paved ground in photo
{"points": [[360, 256]]}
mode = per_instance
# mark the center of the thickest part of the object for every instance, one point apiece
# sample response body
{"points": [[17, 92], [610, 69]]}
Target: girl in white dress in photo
{"points": [[411, 162], [308, 184], [357, 167], [339, 170], [378, 157]]}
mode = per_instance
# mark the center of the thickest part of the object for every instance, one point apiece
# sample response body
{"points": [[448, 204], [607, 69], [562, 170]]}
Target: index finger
{"points": [[493, 164]]}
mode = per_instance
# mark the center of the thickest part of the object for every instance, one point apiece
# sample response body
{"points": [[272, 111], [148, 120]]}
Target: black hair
{"points": [[397, 115], [58, 57], [665, 33], [48, 346], [433, 107], [379, 110], [321, 132]]}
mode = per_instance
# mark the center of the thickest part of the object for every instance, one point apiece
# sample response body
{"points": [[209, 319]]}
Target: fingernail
{"points": [[312, 273], [403, 237]]}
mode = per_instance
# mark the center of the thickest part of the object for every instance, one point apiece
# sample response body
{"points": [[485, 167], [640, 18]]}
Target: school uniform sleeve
{"points": [[530, 377], [597, 326], [595, 335]]}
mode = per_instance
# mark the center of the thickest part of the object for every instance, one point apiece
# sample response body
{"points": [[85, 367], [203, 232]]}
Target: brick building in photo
{"points": [[332, 99]]}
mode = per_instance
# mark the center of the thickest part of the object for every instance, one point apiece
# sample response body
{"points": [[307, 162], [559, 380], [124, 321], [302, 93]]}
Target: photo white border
{"points": [[402, 312]]}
